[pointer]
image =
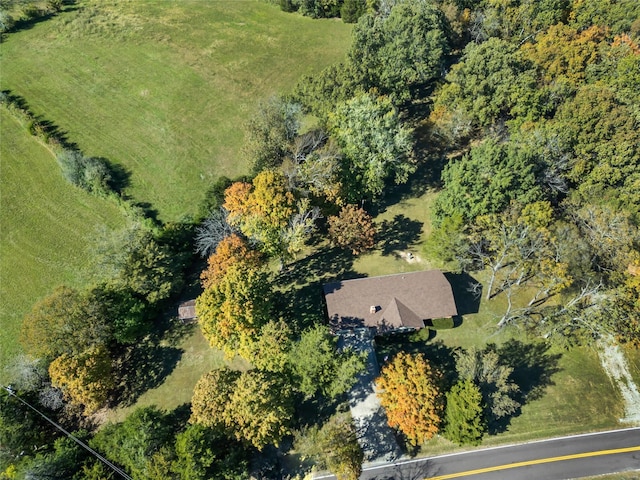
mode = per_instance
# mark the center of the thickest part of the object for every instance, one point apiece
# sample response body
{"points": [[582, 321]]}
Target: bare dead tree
{"points": [[213, 230]]}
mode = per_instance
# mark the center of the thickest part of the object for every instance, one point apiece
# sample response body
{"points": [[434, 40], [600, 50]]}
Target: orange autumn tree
{"points": [[408, 388], [230, 251]]}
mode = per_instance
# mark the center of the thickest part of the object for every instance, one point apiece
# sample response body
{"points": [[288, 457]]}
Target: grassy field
{"points": [[164, 88], [45, 228]]}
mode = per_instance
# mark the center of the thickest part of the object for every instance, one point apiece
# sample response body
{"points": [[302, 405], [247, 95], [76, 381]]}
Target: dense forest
{"points": [[523, 115]]}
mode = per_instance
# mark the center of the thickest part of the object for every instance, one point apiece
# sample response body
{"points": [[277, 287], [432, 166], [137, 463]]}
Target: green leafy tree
{"points": [[514, 20], [62, 463], [130, 316], [493, 378], [353, 228], [62, 323], [401, 51], [270, 132], [133, 442], [486, 180], [492, 81], [599, 141], [320, 8], [409, 391], [254, 407], [616, 15], [321, 92], [203, 453], [375, 144], [22, 431], [449, 242], [86, 379], [339, 447], [318, 367], [135, 258], [269, 352], [464, 415], [352, 10]]}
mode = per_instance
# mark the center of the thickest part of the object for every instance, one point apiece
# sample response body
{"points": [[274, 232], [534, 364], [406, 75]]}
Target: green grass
{"points": [[197, 358], [45, 228], [164, 88], [402, 228]]}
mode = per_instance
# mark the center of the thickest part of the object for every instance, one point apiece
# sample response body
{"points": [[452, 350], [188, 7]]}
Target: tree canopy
{"points": [[375, 143], [410, 392]]}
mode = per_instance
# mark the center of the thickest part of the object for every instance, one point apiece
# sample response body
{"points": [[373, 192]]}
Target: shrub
{"points": [[89, 173]]}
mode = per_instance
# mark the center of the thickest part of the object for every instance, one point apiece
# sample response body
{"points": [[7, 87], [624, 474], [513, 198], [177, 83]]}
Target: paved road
{"points": [[556, 459]]}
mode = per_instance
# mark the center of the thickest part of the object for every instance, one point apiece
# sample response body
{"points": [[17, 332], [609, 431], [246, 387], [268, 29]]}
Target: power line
{"points": [[113, 467]]}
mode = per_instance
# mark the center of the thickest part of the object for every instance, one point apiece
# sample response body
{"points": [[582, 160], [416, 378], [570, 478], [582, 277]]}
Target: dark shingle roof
{"points": [[403, 300]]}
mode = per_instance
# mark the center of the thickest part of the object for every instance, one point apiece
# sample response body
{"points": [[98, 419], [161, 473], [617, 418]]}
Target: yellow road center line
{"points": [[536, 462]]}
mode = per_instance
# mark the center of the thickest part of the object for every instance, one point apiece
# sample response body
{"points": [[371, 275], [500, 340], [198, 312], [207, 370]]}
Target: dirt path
{"points": [[615, 365]]}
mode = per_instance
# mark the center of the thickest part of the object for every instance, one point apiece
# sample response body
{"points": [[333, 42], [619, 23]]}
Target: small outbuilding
{"points": [[392, 302], [187, 311]]}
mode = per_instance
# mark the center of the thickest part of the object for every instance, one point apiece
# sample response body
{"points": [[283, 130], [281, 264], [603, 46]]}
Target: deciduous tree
{"points": [[375, 143], [203, 453], [230, 251], [86, 378], [262, 211], [339, 447], [270, 132], [133, 442], [318, 367], [484, 369], [404, 49], [232, 309], [410, 394], [492, 81], [255, 407], [352, 228], [213, 230], [487, 179], [62, 323]]}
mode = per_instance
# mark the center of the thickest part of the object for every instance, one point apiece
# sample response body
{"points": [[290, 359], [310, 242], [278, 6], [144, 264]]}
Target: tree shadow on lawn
{"points": [[142, 367], [301, 301], [325, 265], [398, 234], [533, 367]]}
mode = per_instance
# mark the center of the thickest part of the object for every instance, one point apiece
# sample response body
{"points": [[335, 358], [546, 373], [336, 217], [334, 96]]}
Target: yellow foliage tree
{"points": [[262, 211], [409, 391], [232, 309], [255, 407], [86, 379]]}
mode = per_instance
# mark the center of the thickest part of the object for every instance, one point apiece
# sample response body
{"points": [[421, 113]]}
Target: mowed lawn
{"points": [[165, 88], [46, 226]]}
